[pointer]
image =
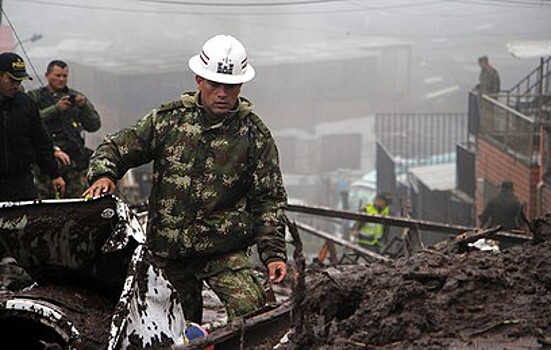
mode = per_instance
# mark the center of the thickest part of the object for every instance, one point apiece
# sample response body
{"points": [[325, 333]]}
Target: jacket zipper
{"points": [[5, 141]]}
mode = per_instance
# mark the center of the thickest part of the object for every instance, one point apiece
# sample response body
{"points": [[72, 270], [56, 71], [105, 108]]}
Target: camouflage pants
{"points": [[75, 183], [230, 277]]}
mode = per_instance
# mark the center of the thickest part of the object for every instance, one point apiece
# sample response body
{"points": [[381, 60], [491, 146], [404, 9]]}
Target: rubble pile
{"points": [[433, 300]]}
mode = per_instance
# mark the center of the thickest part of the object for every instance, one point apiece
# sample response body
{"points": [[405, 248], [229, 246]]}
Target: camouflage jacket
{"points": [[216, 187], [66, 127], [489, 81]]}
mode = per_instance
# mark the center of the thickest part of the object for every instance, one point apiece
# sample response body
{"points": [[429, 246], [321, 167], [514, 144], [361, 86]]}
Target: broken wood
{"points": [[473, 236], [245, 332], [378, 219], [412, 241], [366, 253]]}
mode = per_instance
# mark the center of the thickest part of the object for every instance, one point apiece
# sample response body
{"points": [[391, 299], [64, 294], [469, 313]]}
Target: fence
{"points": [[417, 137]]}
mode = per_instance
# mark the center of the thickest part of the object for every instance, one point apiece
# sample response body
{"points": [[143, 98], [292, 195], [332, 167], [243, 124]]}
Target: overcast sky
{"points": [[103, 32], [443, 37]]}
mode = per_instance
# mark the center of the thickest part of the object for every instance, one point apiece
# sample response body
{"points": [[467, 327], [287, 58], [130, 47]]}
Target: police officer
{"points": [[370, 235], [23, 138], [217, 185], [67, 114]]}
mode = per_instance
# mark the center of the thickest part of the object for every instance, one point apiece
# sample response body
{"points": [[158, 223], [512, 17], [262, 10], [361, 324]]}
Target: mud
{"points": [[89, 311], [436, 299]]}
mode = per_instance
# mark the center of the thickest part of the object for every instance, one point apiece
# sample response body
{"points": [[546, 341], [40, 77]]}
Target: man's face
{"points": [[483, 64], [57, 78], [8, 86], [380, 203], [218, 99]]}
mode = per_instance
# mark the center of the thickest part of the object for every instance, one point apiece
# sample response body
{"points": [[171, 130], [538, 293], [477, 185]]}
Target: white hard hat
{"points": [[223, 60]]}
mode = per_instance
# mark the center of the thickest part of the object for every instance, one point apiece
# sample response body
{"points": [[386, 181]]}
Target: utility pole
{"points": [[1, 12]]}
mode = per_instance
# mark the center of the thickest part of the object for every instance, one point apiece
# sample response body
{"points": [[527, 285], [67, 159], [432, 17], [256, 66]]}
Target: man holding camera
{"points": [[67, 114]]}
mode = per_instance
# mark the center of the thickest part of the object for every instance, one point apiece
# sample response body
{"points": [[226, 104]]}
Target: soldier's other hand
{"points": [[80, 100], [277, 271], [103, 185], [59, 186], [62, 157], [63, 103]]}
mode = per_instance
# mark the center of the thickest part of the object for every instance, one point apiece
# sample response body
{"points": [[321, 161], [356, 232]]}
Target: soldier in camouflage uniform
{"points": [[66, 113], [217, 184], [489, 82]]}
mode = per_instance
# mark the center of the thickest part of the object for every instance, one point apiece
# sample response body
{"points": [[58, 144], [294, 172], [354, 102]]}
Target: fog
{"points": [[323, 67]]}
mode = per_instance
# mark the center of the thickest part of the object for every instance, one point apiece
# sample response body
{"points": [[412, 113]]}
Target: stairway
{"points": [[532, 94]]}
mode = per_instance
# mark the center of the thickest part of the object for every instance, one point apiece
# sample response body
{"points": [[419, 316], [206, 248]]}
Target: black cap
{"points": [[387, 197], [13, 66], [507, 185]]}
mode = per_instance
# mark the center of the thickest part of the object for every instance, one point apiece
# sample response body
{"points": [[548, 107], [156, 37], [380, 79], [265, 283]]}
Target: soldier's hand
{"points": [[62, 157], [80, 100], [277, 271], [59, 186], [63, 103], [103, 185]]}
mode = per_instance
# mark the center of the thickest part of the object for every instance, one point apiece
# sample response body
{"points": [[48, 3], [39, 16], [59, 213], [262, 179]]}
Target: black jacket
{"points": [[504, 209], [23, 138]]}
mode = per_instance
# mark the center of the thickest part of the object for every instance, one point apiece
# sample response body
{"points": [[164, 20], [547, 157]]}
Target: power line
{"points": [[227, 14], [107, 8], [243, 4], [507, 3], [21, 46]]}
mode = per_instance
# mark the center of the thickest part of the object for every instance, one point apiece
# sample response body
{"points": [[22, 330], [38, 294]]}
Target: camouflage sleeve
{"points": [[46, 113], [128, 148], [267, 199], [89, 117]]}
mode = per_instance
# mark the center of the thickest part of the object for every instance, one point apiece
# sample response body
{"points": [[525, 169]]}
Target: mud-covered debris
{"points": [[434, 300]]}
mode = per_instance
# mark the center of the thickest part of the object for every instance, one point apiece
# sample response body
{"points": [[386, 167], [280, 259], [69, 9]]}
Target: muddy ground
{"points": [[437, 299], [89, 311]]}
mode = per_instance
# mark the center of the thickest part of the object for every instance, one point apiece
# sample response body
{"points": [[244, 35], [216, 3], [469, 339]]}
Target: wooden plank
{"points": [[502, 236], [249, 332], [384, 220]]}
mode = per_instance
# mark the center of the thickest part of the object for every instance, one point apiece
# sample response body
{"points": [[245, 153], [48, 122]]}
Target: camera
{"points": [[72, 98]]}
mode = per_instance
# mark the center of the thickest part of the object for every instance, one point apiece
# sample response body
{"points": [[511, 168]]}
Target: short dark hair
{"points": [[387, 197], [507, 185], [56, 63], [483, 59]]}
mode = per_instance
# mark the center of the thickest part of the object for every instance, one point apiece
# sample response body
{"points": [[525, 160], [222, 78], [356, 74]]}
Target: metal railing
{"points": [[534, 81], [532, 95], [421, 136]]}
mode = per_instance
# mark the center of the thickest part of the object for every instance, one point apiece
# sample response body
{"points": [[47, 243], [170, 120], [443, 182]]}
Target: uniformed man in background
{"points": [[217, 184], [23, 139], [488, 80], [67, 114]]}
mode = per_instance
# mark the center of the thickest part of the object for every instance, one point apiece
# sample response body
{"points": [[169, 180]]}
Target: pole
{"points": [[377, 219]]}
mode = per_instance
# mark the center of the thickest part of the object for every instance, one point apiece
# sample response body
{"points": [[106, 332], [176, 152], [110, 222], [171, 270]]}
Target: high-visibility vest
{"points": [[370, 233]]}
